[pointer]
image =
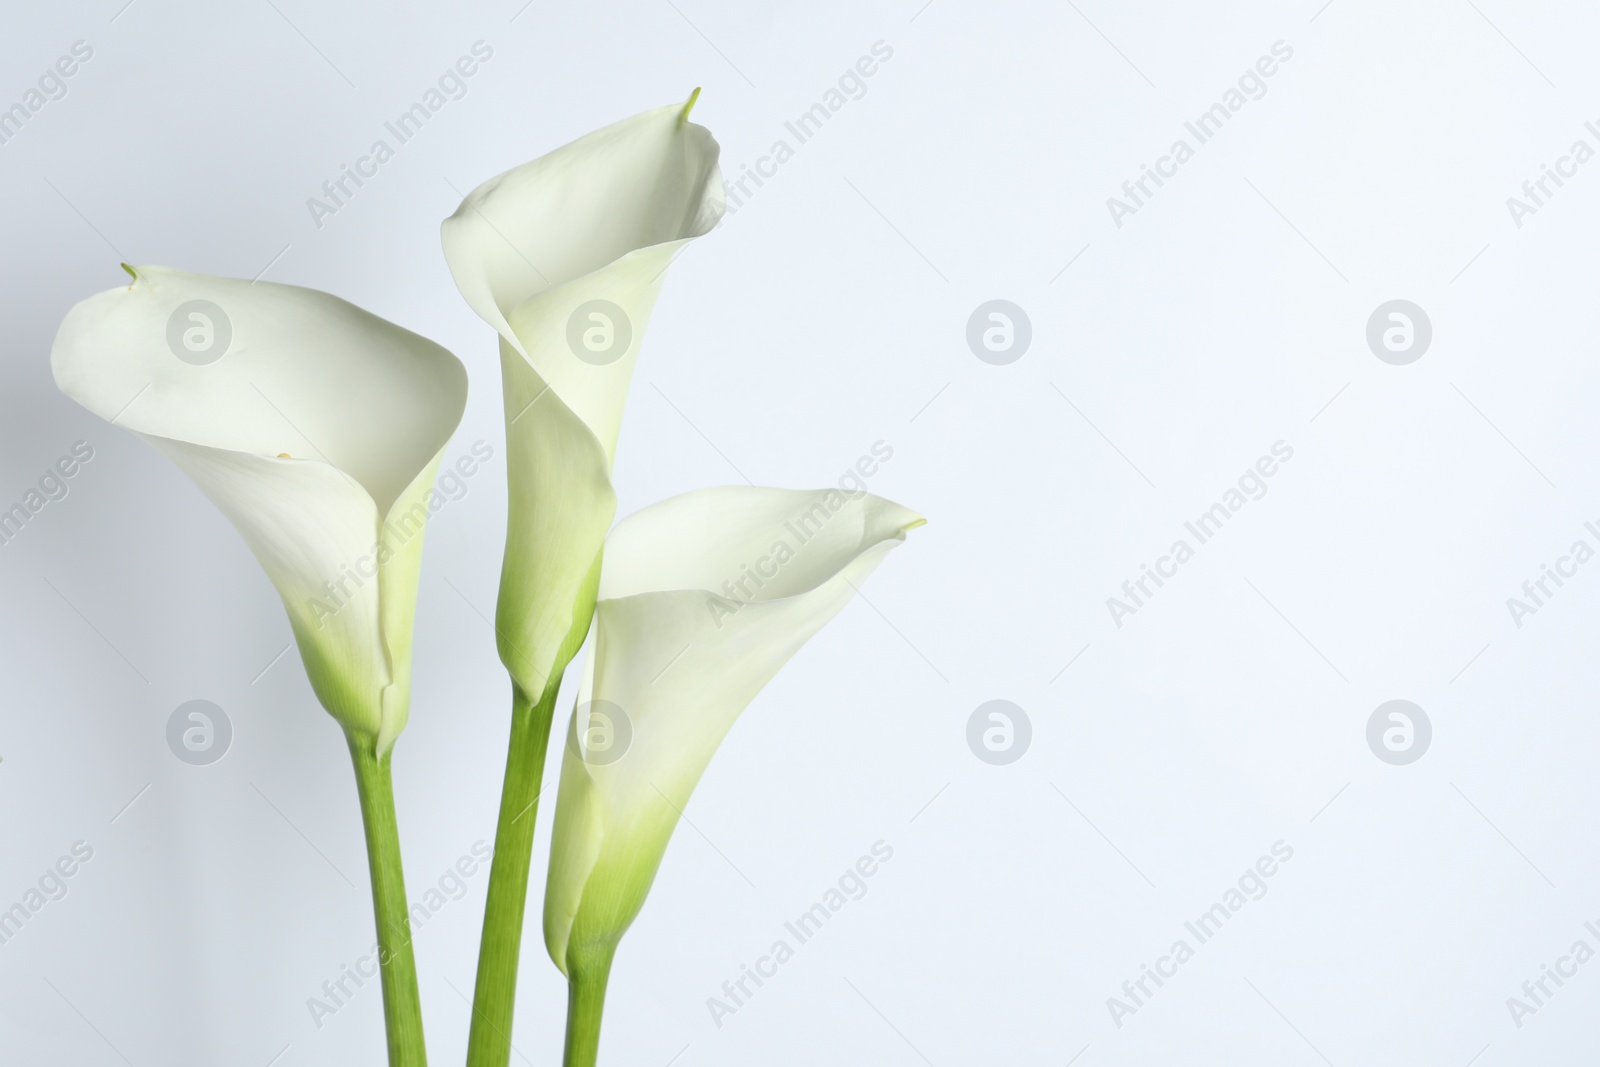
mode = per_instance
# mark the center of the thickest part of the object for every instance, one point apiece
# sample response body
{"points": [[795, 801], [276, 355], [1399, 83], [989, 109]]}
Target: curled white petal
{"points": [[564, 256], [313, 425], [703, 598]]}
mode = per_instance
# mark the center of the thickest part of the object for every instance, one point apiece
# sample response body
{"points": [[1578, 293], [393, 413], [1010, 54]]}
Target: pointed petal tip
{"points": [[131, 272], [689, 106], [895, 520]]}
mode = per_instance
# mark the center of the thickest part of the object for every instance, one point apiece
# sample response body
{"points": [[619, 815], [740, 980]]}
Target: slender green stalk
{"points": [[402, 1005], [494, 998], [586, 1000]]}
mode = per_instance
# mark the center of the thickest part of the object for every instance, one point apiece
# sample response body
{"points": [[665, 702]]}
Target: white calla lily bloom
{"points": [[703, 598], [316, 427], [564, 257]]}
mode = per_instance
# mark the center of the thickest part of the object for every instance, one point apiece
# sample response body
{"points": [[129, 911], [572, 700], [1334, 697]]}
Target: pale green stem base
{"points": [[494, 997], [586, 1001], [402, 1005]]}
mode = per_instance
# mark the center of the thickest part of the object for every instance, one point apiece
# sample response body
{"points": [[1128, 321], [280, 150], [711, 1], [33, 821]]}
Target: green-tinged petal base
{"points": [[703, 599]]}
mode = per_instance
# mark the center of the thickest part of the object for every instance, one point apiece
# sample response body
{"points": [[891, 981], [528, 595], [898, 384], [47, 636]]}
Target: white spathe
{"points": [[315, 426], [702, 599], [564, 257]]}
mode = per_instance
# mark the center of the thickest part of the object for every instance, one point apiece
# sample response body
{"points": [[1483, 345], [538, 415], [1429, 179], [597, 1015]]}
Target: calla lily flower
{"points": [[316, 428], [564, 257], [702, 599]]}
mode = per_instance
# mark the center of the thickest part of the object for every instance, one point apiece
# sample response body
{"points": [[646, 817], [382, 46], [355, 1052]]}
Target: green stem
{"points": [[494, 997], [402, 1005], [586, 1000]]}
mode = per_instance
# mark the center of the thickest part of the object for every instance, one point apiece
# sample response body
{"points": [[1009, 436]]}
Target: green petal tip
{"points": [[688, 107]]}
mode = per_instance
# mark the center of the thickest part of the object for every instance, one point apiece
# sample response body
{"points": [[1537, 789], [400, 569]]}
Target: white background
{"points": [[827, 314]]}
